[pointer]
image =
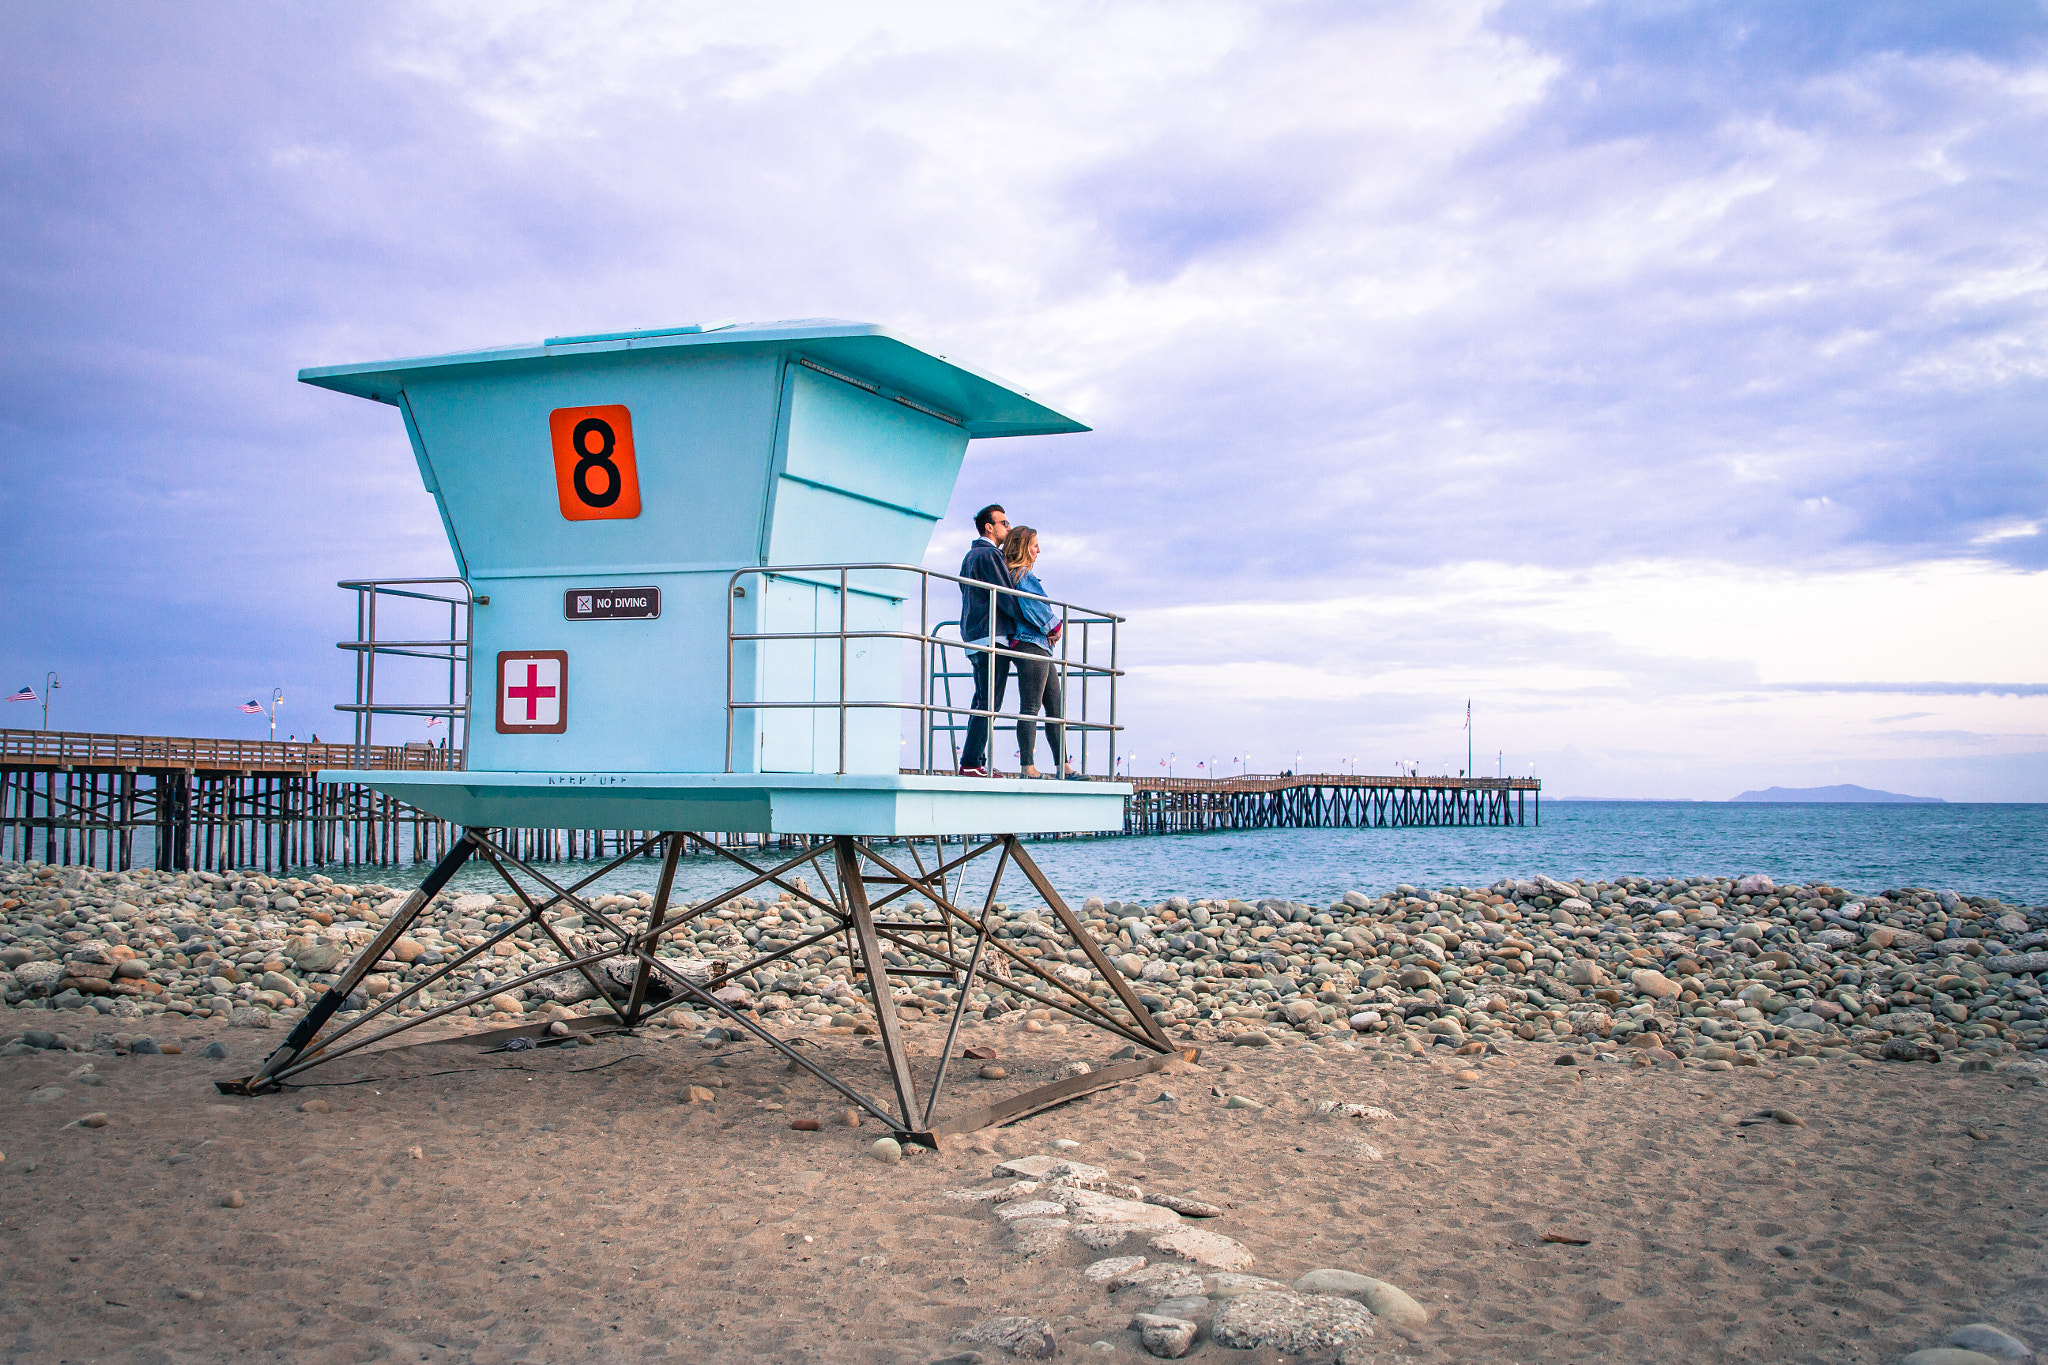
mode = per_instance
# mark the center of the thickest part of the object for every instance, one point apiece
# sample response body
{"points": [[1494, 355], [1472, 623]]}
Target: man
{"points": [[978, 626]]}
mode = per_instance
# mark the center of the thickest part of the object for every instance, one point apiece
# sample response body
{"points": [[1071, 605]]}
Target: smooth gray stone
{"points": [[1945, 1355], [1385, 1300], [1169, 1338], [1193, 1308], [1991, 1341]]}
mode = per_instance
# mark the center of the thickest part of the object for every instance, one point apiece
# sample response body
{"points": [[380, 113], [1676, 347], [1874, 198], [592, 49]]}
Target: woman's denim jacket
{"points": [[1036, 621]]}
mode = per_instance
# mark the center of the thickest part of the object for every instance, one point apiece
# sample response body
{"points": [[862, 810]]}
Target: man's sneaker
{"points": [[974, 772]]}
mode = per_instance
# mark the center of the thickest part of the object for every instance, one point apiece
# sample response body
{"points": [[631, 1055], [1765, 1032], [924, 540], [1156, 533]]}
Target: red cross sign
{"points": [[533, 692]]}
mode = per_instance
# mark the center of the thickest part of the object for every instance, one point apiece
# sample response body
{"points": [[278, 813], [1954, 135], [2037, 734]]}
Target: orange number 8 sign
{"points": [[595, 475]]}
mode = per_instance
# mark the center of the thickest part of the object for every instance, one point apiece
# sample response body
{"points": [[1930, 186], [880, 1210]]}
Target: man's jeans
{"points": [[984, 663]]}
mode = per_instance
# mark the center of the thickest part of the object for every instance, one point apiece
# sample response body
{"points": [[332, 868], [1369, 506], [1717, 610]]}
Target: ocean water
{"points": [[1994, 850]]}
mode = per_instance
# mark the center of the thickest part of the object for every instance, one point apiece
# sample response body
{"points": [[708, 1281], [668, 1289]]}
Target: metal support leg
{"points": [[847, 853], [966, 979], [653, 934], [324, 1008]]}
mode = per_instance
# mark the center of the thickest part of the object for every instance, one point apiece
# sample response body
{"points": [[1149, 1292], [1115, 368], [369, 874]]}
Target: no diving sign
{"points": [[533, 692], [611, 604]]}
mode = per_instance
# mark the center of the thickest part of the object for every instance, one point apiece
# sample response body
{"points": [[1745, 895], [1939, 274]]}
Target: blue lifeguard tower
{"points": [[690, 558]]}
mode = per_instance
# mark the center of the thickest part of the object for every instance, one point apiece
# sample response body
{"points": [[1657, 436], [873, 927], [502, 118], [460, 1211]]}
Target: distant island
{"points": [[1847, 791]]}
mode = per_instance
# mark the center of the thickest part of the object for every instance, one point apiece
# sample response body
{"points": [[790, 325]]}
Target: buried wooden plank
{"points": [[1042, 1097]]}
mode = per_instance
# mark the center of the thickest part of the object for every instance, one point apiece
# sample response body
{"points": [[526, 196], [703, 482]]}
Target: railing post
{"points": [[731, 589], [843, 582], [924, 674]]}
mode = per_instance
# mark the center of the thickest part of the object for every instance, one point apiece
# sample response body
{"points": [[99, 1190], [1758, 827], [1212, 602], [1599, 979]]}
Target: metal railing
{"points": [[78, 749], [1083, 638], [1268, 782], [453, 650]]}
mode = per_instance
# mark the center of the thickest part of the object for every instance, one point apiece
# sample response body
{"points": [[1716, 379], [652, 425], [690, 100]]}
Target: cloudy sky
{"points": [[1671, 380]]}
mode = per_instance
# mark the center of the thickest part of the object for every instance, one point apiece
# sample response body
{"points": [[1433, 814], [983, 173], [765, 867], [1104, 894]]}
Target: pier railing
{"points": [[76, 749], [1272, 782]]}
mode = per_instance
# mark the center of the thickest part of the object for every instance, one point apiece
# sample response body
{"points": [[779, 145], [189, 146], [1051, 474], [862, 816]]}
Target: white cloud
{"points": [[1647, 658], [1610, 366]]}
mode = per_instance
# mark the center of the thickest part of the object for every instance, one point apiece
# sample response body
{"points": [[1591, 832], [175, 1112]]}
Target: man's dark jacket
{"points": [[984, 564]]}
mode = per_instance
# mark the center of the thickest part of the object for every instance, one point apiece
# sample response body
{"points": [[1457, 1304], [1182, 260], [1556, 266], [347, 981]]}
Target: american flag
{"points": [[253, 708], [26, 694], [432, 721]]}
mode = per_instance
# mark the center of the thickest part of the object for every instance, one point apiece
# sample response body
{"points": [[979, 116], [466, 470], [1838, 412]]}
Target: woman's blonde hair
{"points": [[1015, 545]]}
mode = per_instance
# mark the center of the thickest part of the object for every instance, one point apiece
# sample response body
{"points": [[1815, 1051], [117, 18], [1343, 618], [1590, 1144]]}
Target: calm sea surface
{"points": [[1995, 850]]}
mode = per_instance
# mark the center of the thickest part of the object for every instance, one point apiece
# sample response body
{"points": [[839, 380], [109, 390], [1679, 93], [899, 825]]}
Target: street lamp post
{"points": [[276, 700], [50, 684]]}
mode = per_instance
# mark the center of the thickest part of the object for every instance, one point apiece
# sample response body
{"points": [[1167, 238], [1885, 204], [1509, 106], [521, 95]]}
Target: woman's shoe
{"points": [[1071, 776]]}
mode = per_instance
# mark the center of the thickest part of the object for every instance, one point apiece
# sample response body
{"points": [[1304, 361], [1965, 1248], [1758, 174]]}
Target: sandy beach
{"points": [[567, 1204]]}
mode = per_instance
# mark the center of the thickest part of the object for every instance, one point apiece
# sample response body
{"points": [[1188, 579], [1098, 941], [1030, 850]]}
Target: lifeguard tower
{"points": [[690, 559]]}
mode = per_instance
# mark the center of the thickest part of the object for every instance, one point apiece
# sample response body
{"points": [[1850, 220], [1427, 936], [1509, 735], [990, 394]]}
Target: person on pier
{"points": [[986, 619], [1038, 678]]}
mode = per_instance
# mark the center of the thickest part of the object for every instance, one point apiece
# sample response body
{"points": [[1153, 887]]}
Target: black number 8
{"points": [[601, 459]]}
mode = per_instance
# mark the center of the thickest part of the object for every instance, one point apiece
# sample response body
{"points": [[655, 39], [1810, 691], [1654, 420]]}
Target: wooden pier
{"points": [[99, 800], [1175, 805], [179, 804]]}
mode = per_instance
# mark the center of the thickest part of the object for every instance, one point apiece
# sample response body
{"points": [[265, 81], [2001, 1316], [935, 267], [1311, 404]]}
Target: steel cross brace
{"points": [[852, 913]]}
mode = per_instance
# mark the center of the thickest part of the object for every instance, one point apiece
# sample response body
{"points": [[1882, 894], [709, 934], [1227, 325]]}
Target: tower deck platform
{"points": [[870, 805]]}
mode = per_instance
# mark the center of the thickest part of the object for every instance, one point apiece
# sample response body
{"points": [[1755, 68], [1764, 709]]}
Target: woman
{"points": [[1038, 678]]}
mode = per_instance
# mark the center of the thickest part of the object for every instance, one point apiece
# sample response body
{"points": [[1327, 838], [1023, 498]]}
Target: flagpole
{"points": [[50, 684], [1468, 738]]}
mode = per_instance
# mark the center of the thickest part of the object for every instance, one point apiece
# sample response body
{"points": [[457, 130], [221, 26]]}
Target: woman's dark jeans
{"points": [[991, 676], [1038, 685]]}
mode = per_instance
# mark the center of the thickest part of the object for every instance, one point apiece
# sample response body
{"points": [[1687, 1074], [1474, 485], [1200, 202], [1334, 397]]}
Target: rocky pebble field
{"points": [[1197, 1286], [1194, 1287], [1714, 972]]}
